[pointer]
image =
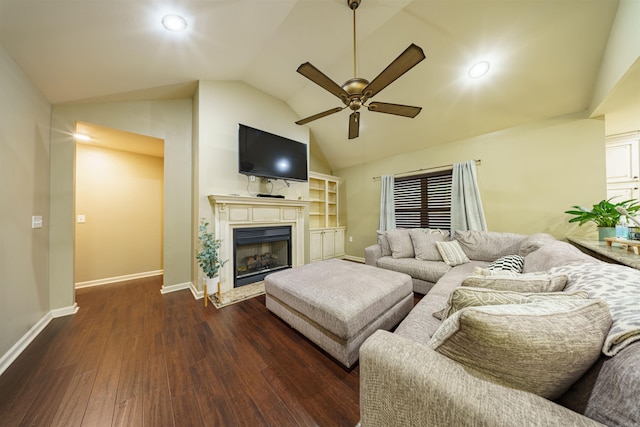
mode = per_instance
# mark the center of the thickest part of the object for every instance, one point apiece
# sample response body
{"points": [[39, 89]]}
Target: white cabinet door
{"points": [[339, 242], [328, 244], [623, 191], [622, 161], [315, 246]]}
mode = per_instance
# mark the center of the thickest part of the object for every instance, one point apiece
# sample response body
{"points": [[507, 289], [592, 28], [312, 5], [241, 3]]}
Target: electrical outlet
{"points": [[350, 238], [252, 178]]}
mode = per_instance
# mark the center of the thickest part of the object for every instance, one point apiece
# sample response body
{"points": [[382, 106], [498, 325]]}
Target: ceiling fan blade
{"points": [[354, 125], [397, 109], [319, 78], [403, 63], [319, 115]]}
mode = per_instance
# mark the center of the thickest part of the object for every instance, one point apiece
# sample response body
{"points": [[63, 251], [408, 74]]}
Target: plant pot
{"points": [[212, 284], [604, 232]]}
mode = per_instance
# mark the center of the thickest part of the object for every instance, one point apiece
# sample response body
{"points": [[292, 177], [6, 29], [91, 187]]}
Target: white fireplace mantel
{"points": [[230, 212]]}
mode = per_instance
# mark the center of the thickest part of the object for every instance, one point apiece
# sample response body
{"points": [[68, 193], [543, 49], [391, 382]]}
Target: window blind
{"points": [[423, 201]]}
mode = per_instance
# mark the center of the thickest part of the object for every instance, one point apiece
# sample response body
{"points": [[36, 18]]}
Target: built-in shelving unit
{"points": [[326, 235]]}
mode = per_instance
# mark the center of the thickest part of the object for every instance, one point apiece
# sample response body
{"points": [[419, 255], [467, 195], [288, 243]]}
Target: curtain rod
{"points": [[478, 163]]}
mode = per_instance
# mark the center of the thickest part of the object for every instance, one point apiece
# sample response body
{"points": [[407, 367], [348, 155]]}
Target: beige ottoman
{"points": [[338, 304]]}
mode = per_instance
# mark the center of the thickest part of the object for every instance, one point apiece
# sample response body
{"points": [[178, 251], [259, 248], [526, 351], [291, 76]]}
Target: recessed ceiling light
{"points": [[81, 137], [174, 23], [479, 69]]}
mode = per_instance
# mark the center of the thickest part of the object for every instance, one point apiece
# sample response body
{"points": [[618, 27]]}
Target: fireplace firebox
{"points": [[259, 251]]}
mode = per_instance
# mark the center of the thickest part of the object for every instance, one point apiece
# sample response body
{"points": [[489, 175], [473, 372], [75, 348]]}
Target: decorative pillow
{"points": [[513, 263], [424, 243], [479, 271], [464, 297], [400, 243], [384, 243], [530, 282], [452, 253], [541, 347], [488, 245], [619, 286]]}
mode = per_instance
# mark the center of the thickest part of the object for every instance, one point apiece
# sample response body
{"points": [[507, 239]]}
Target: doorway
{"points": [[119, 205]]}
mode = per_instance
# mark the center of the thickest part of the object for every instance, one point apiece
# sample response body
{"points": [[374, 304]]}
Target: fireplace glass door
{"points": [[259, 251]]}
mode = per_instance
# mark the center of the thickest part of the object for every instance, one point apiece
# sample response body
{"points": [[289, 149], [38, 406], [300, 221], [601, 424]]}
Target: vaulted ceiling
{"points": [[544, 54]]}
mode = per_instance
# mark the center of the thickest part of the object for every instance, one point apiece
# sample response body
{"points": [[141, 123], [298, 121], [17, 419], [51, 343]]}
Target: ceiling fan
{"points": [[355, 92]]}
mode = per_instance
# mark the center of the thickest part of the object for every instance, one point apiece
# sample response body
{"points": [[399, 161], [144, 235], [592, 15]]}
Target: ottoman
{"points": [[338, 304]]}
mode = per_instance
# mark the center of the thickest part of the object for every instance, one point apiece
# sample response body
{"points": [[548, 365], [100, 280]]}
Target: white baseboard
{"points": [[354, 258], [100, 282], [16, 350], [166, 289]]}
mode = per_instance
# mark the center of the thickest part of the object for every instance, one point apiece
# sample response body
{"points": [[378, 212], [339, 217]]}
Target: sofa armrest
{"points": [[405, 383], [372, 254]]}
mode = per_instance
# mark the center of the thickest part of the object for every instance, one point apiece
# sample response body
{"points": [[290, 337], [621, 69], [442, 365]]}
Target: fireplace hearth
{"points": [[259, 251]]}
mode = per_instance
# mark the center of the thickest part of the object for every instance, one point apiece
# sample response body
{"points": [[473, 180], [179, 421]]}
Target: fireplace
{"points": [[259, 251]]}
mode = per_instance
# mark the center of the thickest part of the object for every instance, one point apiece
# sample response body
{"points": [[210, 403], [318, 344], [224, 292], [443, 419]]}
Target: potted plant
{"points": [[208, 257], [604, 215]]}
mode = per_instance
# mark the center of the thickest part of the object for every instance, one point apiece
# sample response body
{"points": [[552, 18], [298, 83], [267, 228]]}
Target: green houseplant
{"points": [[604, 214], [208, 255]]}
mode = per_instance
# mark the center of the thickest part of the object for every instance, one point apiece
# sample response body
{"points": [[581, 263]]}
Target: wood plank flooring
{"points": [[134, 357]]}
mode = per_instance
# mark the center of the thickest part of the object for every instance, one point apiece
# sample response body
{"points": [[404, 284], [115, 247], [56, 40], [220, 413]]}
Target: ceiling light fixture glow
{"points": [[174, 23], [81, 137], [479, 69]]}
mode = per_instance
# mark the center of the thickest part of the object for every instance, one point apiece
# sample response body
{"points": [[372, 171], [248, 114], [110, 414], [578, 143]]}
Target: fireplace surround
{"points": [[231, 213]]}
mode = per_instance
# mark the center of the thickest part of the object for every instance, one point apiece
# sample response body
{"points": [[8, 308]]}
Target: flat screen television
{"points": [[267, 155]]}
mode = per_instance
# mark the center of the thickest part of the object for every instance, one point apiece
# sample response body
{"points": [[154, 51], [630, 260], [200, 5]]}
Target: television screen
{"points": [[267, 155]]}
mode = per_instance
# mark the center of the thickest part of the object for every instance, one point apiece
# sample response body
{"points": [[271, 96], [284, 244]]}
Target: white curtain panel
{"points": [[387, 209], [466, 206]]}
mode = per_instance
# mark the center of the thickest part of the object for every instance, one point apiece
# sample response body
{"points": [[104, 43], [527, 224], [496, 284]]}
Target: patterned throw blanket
{"points": [[619, 287]]}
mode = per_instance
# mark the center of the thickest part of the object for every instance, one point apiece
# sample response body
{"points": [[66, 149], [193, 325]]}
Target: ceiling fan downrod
{"points": [[353, 5]]}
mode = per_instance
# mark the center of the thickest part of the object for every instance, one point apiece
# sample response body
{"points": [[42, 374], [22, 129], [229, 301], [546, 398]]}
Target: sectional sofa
{"points": [[565, 352]]}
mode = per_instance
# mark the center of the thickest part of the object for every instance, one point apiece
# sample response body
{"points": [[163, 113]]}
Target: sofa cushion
{"points": [[452, 253], [384, 243], [541, 347], [513, 263], [608, 392], [531, 282], [465, 296], [400, 243], [429, 271], [424, 243], [619, 286], [488, 245], [555, 254], [534, 242]]}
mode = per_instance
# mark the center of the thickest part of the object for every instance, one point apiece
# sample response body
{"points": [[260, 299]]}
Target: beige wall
{"points": [[221, 106], [528, 177], [121, 196], [167, 120], [24, 192]]}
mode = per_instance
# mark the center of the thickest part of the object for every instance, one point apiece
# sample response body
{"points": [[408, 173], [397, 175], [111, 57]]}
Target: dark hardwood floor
{"points": [[134, 357]]}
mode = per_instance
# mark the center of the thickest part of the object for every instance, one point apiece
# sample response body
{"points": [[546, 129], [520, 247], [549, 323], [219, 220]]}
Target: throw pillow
{"points": [[424, 243], [384, 243], [400, 243], [452, 253], [513, 263], [530, 282], [488, 245], [479, 271], [464, 297], [541, 347]]}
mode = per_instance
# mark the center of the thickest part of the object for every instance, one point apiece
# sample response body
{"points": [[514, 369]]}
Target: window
{"points": [[423, 201]]}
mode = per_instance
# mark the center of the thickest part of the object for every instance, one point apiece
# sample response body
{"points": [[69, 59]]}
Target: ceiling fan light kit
{"points": [[355, 92]]}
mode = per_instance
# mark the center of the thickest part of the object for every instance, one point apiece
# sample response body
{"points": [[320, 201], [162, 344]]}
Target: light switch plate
{"points": [[81, 219]]}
